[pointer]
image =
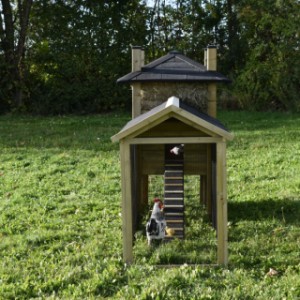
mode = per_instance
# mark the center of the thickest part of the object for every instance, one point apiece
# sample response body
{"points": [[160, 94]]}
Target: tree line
{"points": [[64, 56]]}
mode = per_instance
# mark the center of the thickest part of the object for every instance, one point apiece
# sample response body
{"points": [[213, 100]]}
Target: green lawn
{"points": [[60, 222]]}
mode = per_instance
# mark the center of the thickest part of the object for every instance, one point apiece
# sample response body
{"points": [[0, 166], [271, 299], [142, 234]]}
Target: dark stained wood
{"points": [[173, 128]]}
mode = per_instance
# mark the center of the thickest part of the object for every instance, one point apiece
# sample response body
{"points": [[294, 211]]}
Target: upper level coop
{"points": [[162, 120], [174, 75]]}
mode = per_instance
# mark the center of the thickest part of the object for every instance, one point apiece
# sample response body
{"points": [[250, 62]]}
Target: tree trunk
{"points": [[13, 38], [232, 33]]}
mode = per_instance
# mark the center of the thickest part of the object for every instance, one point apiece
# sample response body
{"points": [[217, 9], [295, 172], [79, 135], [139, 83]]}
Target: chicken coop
{"points": [[173, 103]]}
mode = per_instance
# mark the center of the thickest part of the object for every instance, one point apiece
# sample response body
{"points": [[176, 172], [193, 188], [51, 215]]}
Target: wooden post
{"points": [[212, 87], [212, 100], [209, 182], [136, 99], [222, 234], [138, 60], [138, 57], [127, 217], [143, 184], [144, 190], [211, 58]]}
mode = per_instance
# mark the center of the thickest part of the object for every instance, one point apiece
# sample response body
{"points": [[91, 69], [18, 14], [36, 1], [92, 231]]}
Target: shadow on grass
{"points": [[286, 210]]}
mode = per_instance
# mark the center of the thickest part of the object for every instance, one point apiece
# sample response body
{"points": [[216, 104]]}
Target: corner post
{"points": [[127, 215], [138, 60], [211, 59], [222, 232]]}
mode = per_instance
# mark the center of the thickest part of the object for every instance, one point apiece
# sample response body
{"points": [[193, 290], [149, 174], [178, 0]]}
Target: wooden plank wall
{"points": [[173, 128], [152, 159], [195, 159]]}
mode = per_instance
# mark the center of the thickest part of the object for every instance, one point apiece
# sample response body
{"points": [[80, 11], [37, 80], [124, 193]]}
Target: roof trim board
{"points": [[171, 55], [173, 108]]}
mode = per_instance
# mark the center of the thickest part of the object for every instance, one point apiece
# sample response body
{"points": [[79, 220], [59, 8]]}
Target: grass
{"points": [[60, 223]]}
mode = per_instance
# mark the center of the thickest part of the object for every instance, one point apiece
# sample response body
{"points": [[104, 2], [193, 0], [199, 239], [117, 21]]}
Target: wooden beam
{"points": [[127, 217], [164, 112], [137, 57], [176, 140], [212, 87], [209, 182], [211, 56], [212, 100], [144, 190], [136, 99], [222, 234]]}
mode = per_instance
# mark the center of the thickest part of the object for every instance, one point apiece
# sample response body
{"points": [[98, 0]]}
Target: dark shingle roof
{"points": [[173, 67], [202, 115]]}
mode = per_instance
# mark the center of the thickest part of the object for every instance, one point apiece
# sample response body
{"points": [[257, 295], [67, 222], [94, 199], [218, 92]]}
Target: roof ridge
{"points": [[173, 100]]}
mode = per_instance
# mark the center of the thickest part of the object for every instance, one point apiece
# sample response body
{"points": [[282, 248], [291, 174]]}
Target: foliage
{"points": [[61, 225], [73, 51], [270, 76], [14, 20], [77, 57]]}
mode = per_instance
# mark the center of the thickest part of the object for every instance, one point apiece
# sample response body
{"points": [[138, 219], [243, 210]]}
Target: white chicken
{"points": [[177, 149], [156, 226]]}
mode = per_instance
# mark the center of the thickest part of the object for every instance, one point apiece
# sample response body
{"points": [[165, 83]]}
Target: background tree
{"points": [[79, 50], [14, 19], [270, 76], [63, 56]]}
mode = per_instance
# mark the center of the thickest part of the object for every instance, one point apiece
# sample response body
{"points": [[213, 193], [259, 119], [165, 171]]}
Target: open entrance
{"points": [[199, 244]]}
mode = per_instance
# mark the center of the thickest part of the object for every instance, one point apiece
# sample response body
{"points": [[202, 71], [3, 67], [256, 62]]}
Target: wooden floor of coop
{"points": [[173, 198]]}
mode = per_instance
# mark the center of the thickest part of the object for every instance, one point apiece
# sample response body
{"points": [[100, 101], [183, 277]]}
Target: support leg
{"points": [[222, 234], [127, 216]]}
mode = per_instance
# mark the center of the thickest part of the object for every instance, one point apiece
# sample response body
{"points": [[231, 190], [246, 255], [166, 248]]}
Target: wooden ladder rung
{"points": [[173, 214], [174, 221]]}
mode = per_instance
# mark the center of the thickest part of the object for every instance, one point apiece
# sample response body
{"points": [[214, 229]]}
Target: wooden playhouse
{"points": [[173, 103]]}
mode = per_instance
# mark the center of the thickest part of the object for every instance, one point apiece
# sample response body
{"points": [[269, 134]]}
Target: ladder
{"points": [[173, 198]]}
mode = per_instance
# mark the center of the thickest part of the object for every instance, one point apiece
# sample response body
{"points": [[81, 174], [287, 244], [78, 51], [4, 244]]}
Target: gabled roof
{"points": [[172, 108], [173, 67]]}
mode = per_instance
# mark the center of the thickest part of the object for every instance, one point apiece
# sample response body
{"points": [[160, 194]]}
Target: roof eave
{"points": [[204, 124], [135, 79], [203, 77], [128, 131], [165, 111]]}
